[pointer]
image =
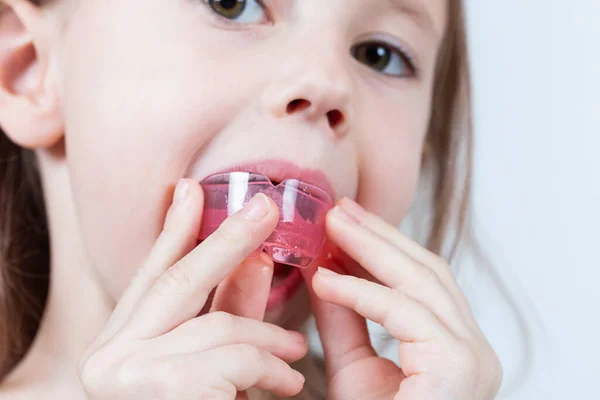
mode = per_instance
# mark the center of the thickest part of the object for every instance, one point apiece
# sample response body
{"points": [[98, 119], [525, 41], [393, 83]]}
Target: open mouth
{"points": [[281, 273], [286, 282]]}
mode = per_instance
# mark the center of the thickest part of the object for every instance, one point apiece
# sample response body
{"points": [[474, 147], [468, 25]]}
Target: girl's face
{"points": [[156, 90]]}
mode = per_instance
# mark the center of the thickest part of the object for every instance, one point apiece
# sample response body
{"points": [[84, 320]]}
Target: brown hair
{"points": [[24, 245], [450, 137]]}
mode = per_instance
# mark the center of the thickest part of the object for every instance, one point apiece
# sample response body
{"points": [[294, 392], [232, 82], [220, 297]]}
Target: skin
{"points": [[123, 99]]}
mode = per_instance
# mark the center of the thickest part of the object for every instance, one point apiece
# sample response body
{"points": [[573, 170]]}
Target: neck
{"points": [[76, 308]]}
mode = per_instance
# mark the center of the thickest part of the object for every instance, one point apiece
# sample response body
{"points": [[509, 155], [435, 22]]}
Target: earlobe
{"points": [[30, 112]]}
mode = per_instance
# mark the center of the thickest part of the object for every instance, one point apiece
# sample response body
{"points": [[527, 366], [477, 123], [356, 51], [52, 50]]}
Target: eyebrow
{"points": [[417, 10]]}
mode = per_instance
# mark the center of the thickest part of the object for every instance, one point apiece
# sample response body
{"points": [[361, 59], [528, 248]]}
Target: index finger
{"points": [[182, 290]]}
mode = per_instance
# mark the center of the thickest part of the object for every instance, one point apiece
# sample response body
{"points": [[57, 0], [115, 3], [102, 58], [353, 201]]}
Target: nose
{"points": [[319, 93]]}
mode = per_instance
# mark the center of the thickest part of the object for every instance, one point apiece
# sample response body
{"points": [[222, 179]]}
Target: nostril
{"points": [[297, 105], [335, 118]]}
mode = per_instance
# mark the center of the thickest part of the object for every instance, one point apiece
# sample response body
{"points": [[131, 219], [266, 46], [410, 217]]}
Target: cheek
{"points": [[137, 108], [391, 155]]}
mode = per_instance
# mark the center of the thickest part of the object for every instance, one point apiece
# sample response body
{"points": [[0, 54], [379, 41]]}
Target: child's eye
{"points": [[384, 58], [240, 11]]}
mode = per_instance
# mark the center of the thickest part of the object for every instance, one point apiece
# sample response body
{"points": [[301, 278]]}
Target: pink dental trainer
{"points": [[300, 234]]}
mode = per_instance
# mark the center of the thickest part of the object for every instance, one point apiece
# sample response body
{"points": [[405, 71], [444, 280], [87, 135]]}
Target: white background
{"points": [[536, 66]]}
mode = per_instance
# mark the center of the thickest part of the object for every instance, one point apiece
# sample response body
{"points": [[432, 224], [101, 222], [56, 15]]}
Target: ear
{"points": [[30, 113]]}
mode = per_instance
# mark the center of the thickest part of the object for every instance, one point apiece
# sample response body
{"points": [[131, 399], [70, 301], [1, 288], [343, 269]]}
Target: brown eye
{"points": [[381, 57], [240, 11], [231, 9]]}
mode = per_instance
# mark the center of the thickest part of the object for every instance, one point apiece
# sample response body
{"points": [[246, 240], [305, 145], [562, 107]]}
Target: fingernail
{"points": [[340, 213], [326, 272], [181, 191], [298, 337], [267, 273], [257, 208], [353, 208]]}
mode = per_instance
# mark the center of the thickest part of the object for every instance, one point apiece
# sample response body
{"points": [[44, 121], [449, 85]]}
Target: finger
{"points": [[220, 329], [345, 265], [403, 317], [178, 237], [182, 290], [389, 233], [397, 270], [243, 366], [349, 266], [367, 248], [343, 332], [246, 291], [392, 235]]}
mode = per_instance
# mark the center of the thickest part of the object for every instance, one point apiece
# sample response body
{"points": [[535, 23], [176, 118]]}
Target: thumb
{"points": [[246, 291], [343, 332]]}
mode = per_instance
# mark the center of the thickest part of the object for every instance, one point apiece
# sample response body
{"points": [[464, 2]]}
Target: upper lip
{"points": [[280, 170]]}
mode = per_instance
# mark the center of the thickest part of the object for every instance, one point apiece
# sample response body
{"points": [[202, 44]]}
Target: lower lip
{"points": [[284, 290]]}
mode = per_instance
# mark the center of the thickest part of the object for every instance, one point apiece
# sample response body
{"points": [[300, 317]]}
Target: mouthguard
{"points": [[299, 236]]}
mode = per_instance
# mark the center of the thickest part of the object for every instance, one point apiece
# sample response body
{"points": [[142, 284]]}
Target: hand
{"points": [[156, 346], [412, 293]]}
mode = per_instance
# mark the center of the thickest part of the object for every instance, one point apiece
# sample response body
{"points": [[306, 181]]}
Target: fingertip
{"points": [[186, 193], [322, 283], [326, 273], [184, 216], [300, 379], [296, 384], [326, 258], [196, 194], [301, 350], [316, 286], [274, 207], [296, 347], [313, 276], [195, 204], [270, 221], [264, 266]]}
